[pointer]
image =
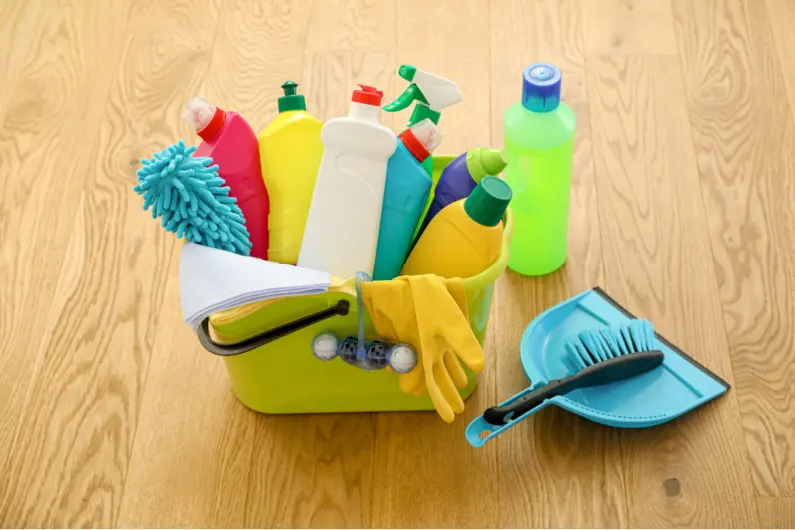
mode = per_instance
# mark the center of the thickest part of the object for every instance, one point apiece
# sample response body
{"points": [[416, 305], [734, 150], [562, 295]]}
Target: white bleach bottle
{"points": [[341, 232]]}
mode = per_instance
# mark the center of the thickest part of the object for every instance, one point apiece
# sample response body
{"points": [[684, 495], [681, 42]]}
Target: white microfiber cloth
{"points": [[211, 280]]}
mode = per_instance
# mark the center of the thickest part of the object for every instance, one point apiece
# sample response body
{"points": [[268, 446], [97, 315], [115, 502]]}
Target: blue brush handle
{"points": [[480, 425]]}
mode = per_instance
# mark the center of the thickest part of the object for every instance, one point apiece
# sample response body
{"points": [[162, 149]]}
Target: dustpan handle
{"points": [[479, 431], [226, 350]]}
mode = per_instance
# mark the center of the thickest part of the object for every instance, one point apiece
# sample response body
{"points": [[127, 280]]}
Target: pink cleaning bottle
{"points": [[232, 144]]}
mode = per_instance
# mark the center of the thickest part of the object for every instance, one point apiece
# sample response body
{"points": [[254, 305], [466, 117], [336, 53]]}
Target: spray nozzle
{"points": [[431, 92], [406, 71], [411, 94]]}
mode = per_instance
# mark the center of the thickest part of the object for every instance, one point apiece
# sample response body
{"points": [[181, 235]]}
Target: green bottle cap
{"points": [[483, 161], [291, 100], [487, 203]]}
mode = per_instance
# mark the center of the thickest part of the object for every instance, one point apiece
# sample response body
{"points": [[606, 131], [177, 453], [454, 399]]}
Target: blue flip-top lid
{"points": [[541, 87]]}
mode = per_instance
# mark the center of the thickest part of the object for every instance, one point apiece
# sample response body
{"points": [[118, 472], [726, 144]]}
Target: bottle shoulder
{"points": [[359, 136], [454, 171], [409, 168], [237, 125], [292, 122], [539, 130]]}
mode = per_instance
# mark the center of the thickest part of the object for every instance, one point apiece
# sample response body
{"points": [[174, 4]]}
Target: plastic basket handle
{"points": [[340, 308]]}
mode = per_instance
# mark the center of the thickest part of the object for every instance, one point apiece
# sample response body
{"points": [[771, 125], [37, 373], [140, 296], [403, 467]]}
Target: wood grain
{"points": [[628, 27], [554, 460], [745, 141], [352, 26], [781, 14], [20, 21], [691, 472], [776, 512], [51, 110]]}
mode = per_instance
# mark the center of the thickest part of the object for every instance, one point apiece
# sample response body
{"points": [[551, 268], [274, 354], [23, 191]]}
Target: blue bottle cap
{"points": [[541, 88]]}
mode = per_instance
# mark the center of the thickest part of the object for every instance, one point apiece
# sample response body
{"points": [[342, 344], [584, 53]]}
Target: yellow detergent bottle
{"points": [[465, 238], [290, 151]]}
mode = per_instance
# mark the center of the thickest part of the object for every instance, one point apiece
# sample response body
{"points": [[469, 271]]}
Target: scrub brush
{"points": [[188, 194], [603, 356]]}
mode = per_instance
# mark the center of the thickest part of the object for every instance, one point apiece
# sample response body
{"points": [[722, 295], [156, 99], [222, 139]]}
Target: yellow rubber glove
{"points": [[429, 313]]}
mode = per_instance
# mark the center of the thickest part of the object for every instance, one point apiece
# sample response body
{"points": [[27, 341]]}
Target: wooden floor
{"points": [[111, 414]]}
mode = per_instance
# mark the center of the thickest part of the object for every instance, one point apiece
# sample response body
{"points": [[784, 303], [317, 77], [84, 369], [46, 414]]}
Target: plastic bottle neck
{"points": [[211, 130], [364, 112]]}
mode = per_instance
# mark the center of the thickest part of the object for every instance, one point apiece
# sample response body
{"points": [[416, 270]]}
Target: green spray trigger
{"points": [[431, 92], [408, 96]]}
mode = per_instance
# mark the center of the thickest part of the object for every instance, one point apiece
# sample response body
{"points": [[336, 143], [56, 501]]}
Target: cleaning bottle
{"points": [[461, 176], [231, 143], [466, 237], [342, 227], [539, 140], [290, 151], [405, 196], [432, 94]]}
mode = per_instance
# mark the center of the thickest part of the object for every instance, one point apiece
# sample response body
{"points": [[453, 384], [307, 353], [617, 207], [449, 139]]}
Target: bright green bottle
{"points": [[539, 140]]}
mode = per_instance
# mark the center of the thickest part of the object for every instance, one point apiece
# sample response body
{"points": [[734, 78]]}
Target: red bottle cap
{"points": [[214, 126], [414, 146], [368, 95]]}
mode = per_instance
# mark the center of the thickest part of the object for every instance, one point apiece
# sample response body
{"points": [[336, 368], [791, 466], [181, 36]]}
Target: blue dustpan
{"points": [[677, 386]]}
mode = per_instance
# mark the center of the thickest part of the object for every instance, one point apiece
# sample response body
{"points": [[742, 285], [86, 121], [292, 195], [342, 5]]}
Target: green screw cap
{"points": [[291, 100], [487, 203], [483, 161]]}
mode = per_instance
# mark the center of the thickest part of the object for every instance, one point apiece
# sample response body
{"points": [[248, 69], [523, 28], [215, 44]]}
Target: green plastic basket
{"points": [[267, 348]]}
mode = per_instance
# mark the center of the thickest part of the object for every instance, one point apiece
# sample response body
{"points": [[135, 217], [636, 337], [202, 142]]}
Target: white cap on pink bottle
{"points": [[205, 118], [428, 134]]}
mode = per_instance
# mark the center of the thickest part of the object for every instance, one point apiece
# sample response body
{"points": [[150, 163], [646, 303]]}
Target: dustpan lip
{"points": [[601, 292]]}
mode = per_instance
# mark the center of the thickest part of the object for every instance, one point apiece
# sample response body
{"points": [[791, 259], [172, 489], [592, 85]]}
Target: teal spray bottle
{"points": [[432, 94], [405, 196], [539, 141]]}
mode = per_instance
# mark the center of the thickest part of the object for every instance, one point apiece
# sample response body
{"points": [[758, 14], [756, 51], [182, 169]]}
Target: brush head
{"points": [[596, 345], [192, 199]]}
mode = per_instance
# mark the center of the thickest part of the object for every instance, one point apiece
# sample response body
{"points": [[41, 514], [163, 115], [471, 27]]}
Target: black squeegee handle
{"points": [[601, 373]]}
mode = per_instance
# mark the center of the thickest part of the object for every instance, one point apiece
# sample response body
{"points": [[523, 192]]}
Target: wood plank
{"points": [[322, 465], [540, 478], [21, 23], [345, 25], [55, 92], [781, 14], [745, 142], [256, 48], [691, 472], [426, 474], [628, 27], [72, 451], [776, 512]]}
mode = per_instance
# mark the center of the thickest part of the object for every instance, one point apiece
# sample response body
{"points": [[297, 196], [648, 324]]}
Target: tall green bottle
{"points": [[539, 140]]}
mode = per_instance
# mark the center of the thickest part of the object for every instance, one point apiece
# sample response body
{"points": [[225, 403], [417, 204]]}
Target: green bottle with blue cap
{"points": [[539, 141]]}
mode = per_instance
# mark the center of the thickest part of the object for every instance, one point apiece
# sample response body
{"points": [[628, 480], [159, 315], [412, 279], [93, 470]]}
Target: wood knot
{"points": [[672, 487]]}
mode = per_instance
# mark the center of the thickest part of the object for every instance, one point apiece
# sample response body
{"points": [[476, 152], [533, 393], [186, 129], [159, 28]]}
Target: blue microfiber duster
{"points": [[192, 199]]}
